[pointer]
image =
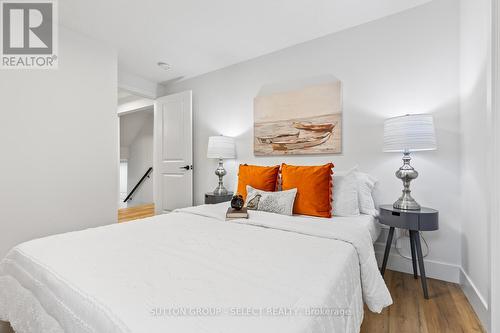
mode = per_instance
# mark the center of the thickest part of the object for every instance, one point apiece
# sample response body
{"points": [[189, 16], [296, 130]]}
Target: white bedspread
{"points": [[190, 271]]}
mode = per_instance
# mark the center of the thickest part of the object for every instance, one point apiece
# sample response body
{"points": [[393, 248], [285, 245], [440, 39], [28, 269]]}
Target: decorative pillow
{"points": [[259, 177], [345, 194], [366, 184], [274, 202], [377, 196], [314, 188]]}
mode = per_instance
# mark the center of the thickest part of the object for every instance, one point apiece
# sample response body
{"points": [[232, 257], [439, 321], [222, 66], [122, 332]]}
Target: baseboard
{"points": [[433, 269], [475, 298], [441, 271]]}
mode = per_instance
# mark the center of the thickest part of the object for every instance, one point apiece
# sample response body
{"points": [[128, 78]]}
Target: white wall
{"points": [[406, 63], [123, 180], [136, 136], [59, 144], [475, 41]]}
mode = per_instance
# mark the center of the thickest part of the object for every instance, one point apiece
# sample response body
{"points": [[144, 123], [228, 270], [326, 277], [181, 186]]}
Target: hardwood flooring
{"points": [[134, 213], [447, 310]]}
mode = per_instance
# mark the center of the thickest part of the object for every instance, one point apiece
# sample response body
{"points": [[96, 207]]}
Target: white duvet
{"points": [[191, 271]]}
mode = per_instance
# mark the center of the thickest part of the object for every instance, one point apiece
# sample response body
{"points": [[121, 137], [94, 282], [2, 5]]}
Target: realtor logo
{"points": [[28, 36]]}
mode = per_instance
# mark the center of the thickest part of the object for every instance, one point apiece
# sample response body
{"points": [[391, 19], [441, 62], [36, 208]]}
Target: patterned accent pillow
{"points": [[280, 202]]}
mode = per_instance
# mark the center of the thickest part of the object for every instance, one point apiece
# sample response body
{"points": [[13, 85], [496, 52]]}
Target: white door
{"points": [[173, 152]]}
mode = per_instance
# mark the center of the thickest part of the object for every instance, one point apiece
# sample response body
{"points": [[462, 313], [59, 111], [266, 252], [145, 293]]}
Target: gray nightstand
{"points": [[425, 219], [211, 198]]}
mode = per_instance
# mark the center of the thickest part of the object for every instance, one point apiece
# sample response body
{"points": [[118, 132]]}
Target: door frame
{"points": [[495, 160], [144, 104], [141, 105]]}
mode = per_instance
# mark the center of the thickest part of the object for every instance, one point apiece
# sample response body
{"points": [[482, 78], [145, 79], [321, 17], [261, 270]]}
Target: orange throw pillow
{"points": [[314, 188], [260, 177]]}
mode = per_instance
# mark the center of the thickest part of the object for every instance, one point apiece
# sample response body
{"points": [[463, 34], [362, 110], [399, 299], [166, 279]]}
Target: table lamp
{"points": [[408, 134], [221, 147]]}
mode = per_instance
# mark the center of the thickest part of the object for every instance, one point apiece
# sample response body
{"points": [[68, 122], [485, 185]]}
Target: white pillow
{"points": [[345, 194], [377, 195], [280, 202], [366, 184]]}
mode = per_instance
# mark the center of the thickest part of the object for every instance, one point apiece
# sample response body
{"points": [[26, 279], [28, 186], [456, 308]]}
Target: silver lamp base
{"points": [[406, 173], [220, 172]]}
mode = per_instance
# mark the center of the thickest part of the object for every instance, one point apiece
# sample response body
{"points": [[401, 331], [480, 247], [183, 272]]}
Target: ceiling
{"points": [[131, 124], [199, 36]]}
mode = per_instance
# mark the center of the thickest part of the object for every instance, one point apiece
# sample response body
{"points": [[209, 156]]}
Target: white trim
{"points": [[137, 91], [477, 301], [137, 85], [495, 159], [134, 106], [445, 272], [433, 269]]}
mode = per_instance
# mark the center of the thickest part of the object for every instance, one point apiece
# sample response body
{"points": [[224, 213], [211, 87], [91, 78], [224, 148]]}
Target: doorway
{"points": [[136, 118], [156, 153]]}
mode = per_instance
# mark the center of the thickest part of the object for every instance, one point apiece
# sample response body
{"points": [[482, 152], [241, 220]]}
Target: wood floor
{"points": [[447, 310], [134, 213]]}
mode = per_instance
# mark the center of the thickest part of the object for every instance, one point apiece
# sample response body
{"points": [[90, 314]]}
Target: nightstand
{"points": [[211, 198], [425, 219]]}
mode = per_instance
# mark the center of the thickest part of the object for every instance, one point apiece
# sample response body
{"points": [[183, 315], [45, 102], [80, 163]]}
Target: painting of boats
{"points": [[301, 143], [314, 127], [301, 120], [283, 136]]}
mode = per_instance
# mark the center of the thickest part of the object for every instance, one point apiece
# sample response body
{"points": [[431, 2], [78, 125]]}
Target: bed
{"points": [[192, 271]]}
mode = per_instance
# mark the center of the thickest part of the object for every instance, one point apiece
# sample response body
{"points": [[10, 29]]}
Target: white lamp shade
{"points": [[221, 147], [409, 133]]}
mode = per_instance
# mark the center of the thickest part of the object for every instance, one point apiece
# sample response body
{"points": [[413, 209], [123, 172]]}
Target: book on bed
{"points": [[236, 213]]}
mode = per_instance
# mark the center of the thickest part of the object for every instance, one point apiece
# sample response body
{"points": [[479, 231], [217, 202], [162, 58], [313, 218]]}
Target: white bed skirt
{"points": [[24, 312]]}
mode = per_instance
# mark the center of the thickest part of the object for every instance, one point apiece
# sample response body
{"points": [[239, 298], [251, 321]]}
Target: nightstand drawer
{"points": [[211, 198], [399, 219]]}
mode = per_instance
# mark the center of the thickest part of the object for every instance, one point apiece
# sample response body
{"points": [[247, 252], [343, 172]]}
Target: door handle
{"points": [[187, 167]]}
